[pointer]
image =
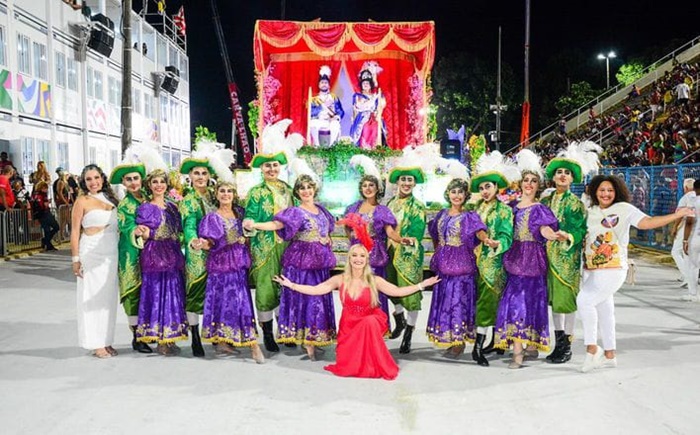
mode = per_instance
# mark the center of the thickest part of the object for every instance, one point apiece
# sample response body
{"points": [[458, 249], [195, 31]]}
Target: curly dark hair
{"points": [[377, 184], [618, 184], [457, 183], [304, 179], [106, 187], [157, 173]]}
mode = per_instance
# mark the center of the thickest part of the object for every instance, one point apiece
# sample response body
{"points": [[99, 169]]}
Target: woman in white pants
{"points": [[605, 268]]}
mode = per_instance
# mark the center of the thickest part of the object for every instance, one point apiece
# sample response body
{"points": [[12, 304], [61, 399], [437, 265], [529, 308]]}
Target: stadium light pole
{"points": [[607, 58]]}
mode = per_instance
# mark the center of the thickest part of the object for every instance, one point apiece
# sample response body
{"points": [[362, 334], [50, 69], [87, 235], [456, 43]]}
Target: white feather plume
{"points": [[367, 165], [585, 154], [454, 168], [325, 71], [274, 140], [145, 153], [495, 161], [529, 161], [220, 158], [300, 167], [426, 157]]}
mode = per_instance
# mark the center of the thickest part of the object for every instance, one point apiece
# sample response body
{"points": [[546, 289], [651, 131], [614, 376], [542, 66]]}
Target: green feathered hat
{"points": [[260, 158], [493, 176], [118, 172], [192, 162], [416, 172], [560, 162]]}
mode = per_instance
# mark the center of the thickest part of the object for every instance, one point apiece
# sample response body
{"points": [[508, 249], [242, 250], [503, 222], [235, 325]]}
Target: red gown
{"points": [[361, 351]]}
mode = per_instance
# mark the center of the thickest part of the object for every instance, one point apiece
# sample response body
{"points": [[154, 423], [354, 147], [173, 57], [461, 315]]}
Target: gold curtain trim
{"points": [[304, 57]]}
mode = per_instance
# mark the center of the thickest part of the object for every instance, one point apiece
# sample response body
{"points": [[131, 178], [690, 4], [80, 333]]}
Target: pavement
{"points": [[50, 386]]}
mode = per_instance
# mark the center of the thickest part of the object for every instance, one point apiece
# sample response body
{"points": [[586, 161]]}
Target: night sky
{"points": [[632, 29]]}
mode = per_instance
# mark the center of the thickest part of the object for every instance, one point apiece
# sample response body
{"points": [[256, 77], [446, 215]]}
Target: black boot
{"points": [[478, 351], [406, 342], [557, 347], [197, 349], [269, 337], [400, 325], [139, 346], [565, 354], [489, 348]]}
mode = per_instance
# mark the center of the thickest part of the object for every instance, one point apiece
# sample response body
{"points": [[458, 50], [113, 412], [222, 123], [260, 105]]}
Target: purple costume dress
{"points": [[451, 321], [379, 257], [522, 312], [162, 315], [304, 319], [228, 307]]}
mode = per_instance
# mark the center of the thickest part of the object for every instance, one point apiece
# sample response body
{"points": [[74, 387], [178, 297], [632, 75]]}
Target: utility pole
{"points": [[498, 108], [126, 75]]}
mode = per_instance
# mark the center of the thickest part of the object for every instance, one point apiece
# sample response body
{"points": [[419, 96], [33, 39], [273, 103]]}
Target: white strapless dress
{"points": [[98, 289]]}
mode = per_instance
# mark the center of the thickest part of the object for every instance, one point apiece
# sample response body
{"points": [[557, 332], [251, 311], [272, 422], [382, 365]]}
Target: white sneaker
{"points": [[689, 298], [592, 361], [610, 363]]}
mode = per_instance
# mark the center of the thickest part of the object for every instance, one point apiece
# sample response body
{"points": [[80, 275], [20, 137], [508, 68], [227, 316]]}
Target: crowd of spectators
{"points": [[658, 125]]}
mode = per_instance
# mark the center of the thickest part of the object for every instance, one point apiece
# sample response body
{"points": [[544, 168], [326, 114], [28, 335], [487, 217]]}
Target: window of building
{"points": [[164, 109], [27, 144], [183, 68], [61, 69], [162, 50], [99, 89], [42, 152], [72, 72], [148, 106], [113, 158], [3, 56], [172, 56], [113, 86], [89, 81], [41, 63], [24, 54], [92, 155], [137, 100], [62, 154]]}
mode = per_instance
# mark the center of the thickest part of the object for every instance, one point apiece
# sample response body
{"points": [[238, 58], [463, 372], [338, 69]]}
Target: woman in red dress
{"points": [[361, 351]]}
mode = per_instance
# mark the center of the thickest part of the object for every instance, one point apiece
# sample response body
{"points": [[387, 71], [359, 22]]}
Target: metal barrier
{"points": [[19, 231]]}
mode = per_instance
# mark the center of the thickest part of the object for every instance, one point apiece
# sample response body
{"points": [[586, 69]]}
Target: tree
{"points": [[464, 86], [630, 72], [580, 94]]}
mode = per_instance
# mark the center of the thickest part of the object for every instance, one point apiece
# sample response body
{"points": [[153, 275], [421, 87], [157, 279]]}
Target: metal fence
{"points": [[19, 231], [656, 191]]}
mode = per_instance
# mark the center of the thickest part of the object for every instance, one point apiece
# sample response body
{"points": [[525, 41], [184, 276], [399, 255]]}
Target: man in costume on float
{"points": [[325, 111]]}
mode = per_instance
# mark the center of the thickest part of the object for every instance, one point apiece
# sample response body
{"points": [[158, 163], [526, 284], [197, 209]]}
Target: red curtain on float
{"points": [[289, 54]]}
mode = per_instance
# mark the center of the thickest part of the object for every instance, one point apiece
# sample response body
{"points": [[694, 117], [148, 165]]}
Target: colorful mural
{"points": [[6, 89], [33, 96], [96, 115]]}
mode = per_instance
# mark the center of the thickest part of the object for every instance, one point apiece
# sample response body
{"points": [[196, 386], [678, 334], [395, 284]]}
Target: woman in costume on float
{"points": [[93, 245], [306, 320], [455, 233], [368, 104], [380, 221], [197, 202], [605, 262], [493, 173], [361, 350], [162, 317], [523, 316], [229, 319], [564, 257]]}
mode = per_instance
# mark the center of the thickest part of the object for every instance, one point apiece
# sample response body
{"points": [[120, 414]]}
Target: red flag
{"points": [[179, 20], [525, 127]]}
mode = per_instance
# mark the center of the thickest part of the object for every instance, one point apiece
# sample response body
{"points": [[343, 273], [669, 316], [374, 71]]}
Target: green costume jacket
{"points": [[406, 262], [192, 208], [564, 258], [498, 218], [129, 253]]}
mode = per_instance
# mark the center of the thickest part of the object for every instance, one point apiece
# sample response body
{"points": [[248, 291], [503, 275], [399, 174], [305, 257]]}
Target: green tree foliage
{"points": [[630, 72], [580, 94], [464, 86]]}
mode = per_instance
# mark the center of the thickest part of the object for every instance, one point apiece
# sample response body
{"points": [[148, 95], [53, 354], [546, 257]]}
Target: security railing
{"points": [[20, 232]]}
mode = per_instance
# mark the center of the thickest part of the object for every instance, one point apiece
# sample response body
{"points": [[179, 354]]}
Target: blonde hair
{"points": [[367, 277]]}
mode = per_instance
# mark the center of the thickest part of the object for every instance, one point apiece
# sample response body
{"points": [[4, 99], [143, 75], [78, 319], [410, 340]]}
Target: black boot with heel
{"points": [[478, 351], [406, 342], [400, 325], [197, 349], [269, 337]]}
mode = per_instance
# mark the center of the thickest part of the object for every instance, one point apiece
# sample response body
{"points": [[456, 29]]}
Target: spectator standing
{"points": [[7, 197], [682, 261], [682, 93], [4, 161], [41, 174], [41, 211]]}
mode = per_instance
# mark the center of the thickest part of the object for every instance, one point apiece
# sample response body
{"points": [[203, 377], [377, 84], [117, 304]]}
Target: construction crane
{"points": [[236, 111]]}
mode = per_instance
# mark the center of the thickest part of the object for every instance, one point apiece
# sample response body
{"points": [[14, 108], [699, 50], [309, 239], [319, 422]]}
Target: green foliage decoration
{"points": [[338, 155], [253, 116], [202, 132]]}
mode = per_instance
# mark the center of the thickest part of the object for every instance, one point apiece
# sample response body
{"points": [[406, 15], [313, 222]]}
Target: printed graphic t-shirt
{"points": [[609, 234]]}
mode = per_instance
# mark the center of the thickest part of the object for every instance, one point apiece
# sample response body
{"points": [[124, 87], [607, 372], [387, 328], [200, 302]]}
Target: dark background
{"points": [[559, 30]]}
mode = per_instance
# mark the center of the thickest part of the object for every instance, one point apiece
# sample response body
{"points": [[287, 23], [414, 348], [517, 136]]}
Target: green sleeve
{"points": [[576, 221], [189, 210], [253, 207], [503, 229]]}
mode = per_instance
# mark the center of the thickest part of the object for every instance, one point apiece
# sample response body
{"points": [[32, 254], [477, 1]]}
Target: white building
{"points": [[60, 100]]}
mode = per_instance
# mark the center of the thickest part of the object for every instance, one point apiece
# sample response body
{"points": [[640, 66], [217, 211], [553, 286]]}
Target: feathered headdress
{"points": [[277, 145], [454, 168], [359, 226], [324, 73], [142, 158], [416, 162], [368, 166], [220, 158], [370, 70], [528, 161], [581, 158], [496, 168]]}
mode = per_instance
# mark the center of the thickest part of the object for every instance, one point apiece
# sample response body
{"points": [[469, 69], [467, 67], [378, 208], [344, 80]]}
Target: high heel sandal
{"points": [[257, 353], [310, 352], [517, 361], [531, 353], [224, 349], [102, 353], [112, 351]]}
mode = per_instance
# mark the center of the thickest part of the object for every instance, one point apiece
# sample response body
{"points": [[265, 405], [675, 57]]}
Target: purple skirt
{"points": [[162, 317], [228, 309], [522, 313], [452, 311], [305, 319]]}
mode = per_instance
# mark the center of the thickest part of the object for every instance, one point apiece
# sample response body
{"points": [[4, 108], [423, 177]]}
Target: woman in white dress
{"points": [[93, 245]]}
